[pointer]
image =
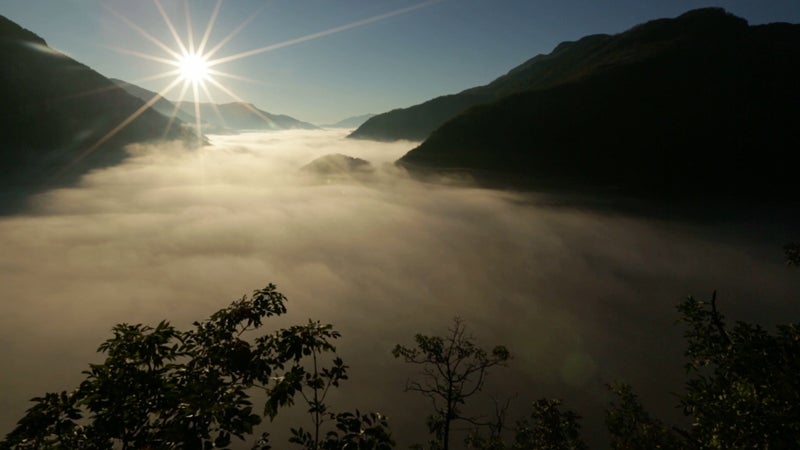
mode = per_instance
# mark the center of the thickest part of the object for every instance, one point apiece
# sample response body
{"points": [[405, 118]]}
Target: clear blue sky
{"points": [[404, 59]]}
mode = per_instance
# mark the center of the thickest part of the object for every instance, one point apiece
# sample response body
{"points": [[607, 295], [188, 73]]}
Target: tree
{"points": [[546, 428], [353, 431], [161, 388], [453, 370], [745, 389], [792, 253], [631, 427]]}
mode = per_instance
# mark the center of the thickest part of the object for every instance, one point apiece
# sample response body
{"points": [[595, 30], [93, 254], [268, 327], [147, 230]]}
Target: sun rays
{"points": [[194, 68], [191, 67]]}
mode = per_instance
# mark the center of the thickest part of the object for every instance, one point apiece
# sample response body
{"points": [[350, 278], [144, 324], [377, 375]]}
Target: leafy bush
{"points": [[162, 388]]}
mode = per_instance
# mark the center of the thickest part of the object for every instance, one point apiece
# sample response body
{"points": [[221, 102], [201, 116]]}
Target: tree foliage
{"points": [[162, 388], [745, 389], [454, 369], [354, 431], [792, 252], [742, 391], [547, 427], [631, 427]]}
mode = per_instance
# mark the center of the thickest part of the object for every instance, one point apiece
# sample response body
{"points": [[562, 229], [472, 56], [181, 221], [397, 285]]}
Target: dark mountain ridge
{"points": [[567, 61], [702, 103], [60, 118]]}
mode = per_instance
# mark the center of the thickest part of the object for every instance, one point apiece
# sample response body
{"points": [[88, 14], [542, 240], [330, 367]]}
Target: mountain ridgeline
{"points": [[242, 116], [569, 60], [217, 118], [158, 102], [699, 104], [350, 122], [60, 118]]}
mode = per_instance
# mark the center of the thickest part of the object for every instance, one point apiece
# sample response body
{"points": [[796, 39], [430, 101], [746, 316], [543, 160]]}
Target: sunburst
{"points": [[193, 67]]}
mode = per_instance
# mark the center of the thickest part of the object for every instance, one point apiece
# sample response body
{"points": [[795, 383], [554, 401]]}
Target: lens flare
{"points": [[194, 68]]}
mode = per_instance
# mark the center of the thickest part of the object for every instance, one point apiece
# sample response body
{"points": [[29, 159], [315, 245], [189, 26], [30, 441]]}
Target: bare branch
{"points": [[453, 370]]}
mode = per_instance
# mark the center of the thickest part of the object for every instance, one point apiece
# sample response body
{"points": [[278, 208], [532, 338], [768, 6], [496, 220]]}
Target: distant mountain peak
{"points": [[350, 122], [243, 116]]}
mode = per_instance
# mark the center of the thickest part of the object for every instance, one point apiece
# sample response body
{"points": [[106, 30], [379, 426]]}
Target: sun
{"points": [[193, 67]]}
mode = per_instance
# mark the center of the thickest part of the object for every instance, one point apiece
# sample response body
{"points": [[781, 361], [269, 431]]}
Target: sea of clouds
{"points": [[580, 296]]}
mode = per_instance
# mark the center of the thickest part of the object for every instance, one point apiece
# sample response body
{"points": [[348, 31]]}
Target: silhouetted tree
{"points": [[631, 427], [161, 388], [453, 370], [353, 430], [792, 251], [546, 428], [745, 388], [495, 427]]}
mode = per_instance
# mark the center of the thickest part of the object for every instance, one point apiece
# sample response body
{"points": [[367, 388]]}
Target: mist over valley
{"points": [[580, 296]]}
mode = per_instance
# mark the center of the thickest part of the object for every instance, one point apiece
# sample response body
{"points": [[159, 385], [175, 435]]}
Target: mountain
{"points": [[162, 105], [60, 118], [235, 116], [569, 60], [703, 103], [350, 122], [243, 116]]}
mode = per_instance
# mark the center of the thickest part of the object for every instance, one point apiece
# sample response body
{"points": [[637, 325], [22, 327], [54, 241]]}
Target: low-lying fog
{"points": [[580, 297]]}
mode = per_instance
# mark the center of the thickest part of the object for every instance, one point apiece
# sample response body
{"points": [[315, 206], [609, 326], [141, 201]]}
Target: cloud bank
{"points": [[580, 297]]}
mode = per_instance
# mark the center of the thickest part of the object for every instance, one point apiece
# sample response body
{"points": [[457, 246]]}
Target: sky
{"points": [[348, 57], [580, 296]]}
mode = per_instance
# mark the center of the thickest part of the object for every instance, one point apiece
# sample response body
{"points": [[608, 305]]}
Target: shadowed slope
{"points": [[568, 60], [698, 104], [55, 112]]}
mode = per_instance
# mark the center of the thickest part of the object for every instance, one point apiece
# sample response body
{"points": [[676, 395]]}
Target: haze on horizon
{"points": [[440, 48], [580, 296]]}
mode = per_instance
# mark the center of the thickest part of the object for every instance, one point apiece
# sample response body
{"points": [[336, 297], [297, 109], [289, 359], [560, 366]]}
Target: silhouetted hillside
{"points": [[244, 116], [701, 103], [56, 111], [568, 61]]}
